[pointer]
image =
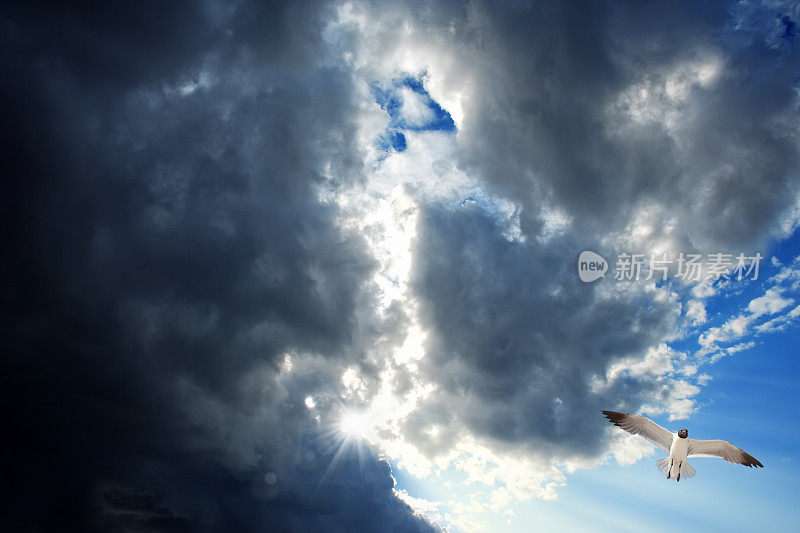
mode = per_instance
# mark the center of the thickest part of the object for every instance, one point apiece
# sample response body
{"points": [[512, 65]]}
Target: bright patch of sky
{"points": [[411, 109]]}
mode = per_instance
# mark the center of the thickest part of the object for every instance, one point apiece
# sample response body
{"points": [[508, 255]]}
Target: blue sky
{"points": [[751, 402], [428, 115]]}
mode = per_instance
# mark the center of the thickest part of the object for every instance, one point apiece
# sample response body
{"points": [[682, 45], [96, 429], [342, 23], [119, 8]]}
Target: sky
{"points": [[316, 266]]}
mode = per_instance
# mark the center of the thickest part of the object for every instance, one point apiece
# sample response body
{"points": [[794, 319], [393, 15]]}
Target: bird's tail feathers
{"points": [[687, 471]]}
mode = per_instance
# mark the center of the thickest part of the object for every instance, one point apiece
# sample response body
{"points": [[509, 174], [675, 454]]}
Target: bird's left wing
{"points": [[644, 427], [724, 450]]}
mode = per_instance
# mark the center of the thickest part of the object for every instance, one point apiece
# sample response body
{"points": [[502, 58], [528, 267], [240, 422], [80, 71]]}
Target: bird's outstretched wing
{"points": [[723, 449], [644, 427]]}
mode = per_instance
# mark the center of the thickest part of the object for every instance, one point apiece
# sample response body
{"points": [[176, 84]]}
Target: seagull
{"points": [[679, 445]]}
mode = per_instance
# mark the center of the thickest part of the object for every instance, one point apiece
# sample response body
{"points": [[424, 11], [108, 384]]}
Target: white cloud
{"points": [[771, 302], [415, 110], [696, 312], [779, 323], [657, 361], [660, 96], [768, 304]]}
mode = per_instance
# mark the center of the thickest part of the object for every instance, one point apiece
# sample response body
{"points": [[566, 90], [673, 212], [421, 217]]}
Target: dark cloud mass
{"points": [[167, 251], [582, 104], [517, 341], [171, 251], [517, 337]]}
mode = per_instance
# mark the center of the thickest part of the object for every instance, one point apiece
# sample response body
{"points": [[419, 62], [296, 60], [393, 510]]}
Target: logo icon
{"points": [[591, 266]]}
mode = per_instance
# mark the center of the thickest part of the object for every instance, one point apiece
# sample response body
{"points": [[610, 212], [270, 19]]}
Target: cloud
{"points": [[239, 224], [541, 130], [595, 138], [185, 287], [735, 328], [696, 311], [502, 348]]}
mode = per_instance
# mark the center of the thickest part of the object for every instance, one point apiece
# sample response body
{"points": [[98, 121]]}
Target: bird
{"points": [[679, 446]]}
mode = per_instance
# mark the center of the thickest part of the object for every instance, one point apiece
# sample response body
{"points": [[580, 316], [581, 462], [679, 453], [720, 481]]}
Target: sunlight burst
{"points": [[354, 425]]}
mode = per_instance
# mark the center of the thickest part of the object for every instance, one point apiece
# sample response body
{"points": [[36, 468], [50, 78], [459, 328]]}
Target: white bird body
{"points": [[678, 453], [680, 446]]}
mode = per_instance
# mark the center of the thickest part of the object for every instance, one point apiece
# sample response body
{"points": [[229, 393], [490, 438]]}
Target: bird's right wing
{"points": [[644, 427], [724, 450]]}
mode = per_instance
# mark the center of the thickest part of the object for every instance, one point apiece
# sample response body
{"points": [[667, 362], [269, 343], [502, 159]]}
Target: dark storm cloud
{"points": [[167, 251], [548, 122], [517, 339], [515, 336]]}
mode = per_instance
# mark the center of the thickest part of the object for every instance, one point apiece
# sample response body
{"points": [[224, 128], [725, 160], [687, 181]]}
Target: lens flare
{"points": [[354, 425]]}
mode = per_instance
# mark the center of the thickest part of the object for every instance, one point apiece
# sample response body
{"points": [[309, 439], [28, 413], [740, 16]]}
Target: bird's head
{"points": [[683, 433]]}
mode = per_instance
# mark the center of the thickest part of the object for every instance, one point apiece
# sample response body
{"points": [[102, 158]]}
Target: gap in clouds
{"points": [[410, 108]]}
